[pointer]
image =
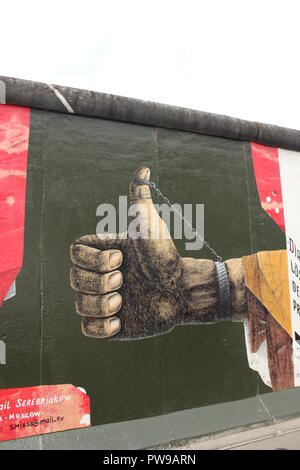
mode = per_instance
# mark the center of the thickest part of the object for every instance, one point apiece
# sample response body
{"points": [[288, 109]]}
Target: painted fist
{"points": [[128, 287]]}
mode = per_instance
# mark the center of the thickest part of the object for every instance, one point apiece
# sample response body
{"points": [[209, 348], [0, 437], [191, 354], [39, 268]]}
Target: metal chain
{"points": [[166, 200]]}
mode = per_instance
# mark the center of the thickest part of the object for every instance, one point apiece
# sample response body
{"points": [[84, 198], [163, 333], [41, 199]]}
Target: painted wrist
{"points": [[238, 297], [200, 291], [206, 289]]}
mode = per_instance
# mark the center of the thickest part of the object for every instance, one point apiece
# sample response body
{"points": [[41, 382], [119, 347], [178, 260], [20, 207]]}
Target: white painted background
{"points": [[234, 57]]}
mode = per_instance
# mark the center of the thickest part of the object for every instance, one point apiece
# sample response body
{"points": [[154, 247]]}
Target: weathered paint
{"points": [[76, 163]]}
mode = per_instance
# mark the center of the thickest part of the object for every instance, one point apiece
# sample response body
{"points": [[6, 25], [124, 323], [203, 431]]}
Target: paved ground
{"points": [[279, 435]]}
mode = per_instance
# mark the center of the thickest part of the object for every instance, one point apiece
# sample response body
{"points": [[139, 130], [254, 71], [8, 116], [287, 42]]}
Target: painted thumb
{"points": [[150, 223], [138, 191]]}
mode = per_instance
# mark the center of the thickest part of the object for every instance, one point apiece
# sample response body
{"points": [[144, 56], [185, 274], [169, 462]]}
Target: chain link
{"points": [[166, 200]]}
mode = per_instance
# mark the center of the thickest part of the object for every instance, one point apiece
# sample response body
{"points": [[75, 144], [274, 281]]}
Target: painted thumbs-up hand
{"points": [[134, 287]]}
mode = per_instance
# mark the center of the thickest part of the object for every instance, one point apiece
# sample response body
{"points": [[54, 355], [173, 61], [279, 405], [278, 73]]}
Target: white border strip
{"points": [[61, 98], [2, 92]]}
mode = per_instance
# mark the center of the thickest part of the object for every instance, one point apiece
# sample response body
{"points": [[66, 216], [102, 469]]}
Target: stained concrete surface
{"points": [[277, 436], [226, 425]]}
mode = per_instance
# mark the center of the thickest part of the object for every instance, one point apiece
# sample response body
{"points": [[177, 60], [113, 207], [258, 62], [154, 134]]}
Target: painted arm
{"points": [[128, 288]]}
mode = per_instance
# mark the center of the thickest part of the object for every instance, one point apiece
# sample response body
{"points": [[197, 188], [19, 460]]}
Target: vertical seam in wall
{"points": [[41, 274], [161, 338], [266, 410], [250, 227], [248, 194], [41, 249], [156, 155], [40, 441]]}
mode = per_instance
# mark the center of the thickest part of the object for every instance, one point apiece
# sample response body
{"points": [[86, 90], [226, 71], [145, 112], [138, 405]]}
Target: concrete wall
{"points": [[193, 380]]}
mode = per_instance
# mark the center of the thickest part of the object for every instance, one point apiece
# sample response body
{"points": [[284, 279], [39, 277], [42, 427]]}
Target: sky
{"points": [[233, 57]]}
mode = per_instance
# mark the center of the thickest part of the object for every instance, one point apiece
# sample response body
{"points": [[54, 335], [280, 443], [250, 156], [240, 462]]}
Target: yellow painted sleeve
{"points": [[266, 276]]}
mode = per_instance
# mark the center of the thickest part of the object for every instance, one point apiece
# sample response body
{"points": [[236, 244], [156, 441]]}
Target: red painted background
{"points": [[14, 136]]}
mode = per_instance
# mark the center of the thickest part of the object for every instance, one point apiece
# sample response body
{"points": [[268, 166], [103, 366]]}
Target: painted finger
{"points": [[94, 259], [100, 328], [88, 305], [101, 241], [90, 282]]}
